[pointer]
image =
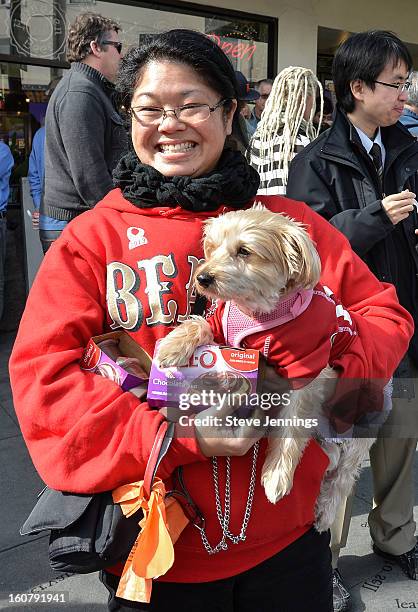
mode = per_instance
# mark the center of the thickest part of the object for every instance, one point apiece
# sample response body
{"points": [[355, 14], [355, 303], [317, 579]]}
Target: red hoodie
{"points": [[121, 266]]}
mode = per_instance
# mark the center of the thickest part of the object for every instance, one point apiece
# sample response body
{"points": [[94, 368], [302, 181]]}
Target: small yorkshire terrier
{"points": [[263, 270]]}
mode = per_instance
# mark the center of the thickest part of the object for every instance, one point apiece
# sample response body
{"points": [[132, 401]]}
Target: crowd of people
{"points": [[194, 149]]}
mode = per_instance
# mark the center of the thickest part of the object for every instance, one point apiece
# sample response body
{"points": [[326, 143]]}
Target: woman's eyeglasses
{"points": [[401, 87], [189, 113], [117, 45]]}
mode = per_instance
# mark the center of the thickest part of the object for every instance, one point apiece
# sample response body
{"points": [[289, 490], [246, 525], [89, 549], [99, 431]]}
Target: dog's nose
{"points": [[205, 279]]}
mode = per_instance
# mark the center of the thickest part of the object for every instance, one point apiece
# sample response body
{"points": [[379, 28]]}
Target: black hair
{"points": [[193, 49], [364, 56]]}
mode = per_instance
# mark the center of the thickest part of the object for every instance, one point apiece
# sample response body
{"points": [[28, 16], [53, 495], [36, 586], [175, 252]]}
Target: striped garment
{"points": [[271, 180]]}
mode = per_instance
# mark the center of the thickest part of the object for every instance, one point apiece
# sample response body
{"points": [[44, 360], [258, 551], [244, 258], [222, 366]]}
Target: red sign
{"points": [[239, 50]]}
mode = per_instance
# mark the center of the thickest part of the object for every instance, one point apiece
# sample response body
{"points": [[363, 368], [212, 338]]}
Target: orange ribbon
{"points": [[152, 554]]}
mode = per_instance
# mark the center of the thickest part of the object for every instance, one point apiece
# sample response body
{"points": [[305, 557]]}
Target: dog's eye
{"points": [[243, 252]]}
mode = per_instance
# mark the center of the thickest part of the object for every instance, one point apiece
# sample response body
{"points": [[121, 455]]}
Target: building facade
{"points": [[32, 49], [260, 39]]}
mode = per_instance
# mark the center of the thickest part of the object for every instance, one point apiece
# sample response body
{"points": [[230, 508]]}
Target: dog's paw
{"points": [[180, 344], [275, 484], [169, 355], [172, 362]]}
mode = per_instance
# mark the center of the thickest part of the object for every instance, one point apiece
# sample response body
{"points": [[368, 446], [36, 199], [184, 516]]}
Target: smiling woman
{"points": [[184, 123], [129, 263], [189, 140]]}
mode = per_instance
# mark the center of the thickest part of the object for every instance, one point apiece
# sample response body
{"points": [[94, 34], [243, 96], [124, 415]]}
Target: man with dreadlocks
{"points": [[285, 128], [361, 175]]}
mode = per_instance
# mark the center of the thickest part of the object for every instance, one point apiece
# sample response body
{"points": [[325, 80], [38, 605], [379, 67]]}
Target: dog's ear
{"points": [[298, 254], [207, 227], [209, 230]]}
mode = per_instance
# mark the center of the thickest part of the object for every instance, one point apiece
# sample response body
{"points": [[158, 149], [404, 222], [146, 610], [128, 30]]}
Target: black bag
{"points": [[90, 532]]}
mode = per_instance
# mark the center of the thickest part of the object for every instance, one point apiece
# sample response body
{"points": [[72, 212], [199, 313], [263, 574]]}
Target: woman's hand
{"points": [[230, 432], [218, 436], [229, 429], [221, 431]]}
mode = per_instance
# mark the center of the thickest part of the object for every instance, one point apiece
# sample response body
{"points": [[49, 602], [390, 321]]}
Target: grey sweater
{"points": [[85, 139]]}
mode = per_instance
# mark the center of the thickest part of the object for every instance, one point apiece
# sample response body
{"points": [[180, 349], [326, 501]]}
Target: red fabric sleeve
{"points": [[83, 432]]}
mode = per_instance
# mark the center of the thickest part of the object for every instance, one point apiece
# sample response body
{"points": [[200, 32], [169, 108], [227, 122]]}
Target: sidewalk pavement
{"points": [[376, 586]]}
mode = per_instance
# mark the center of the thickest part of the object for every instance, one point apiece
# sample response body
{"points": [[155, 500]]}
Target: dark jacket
{"points": [[85, 139], [336, 177]]}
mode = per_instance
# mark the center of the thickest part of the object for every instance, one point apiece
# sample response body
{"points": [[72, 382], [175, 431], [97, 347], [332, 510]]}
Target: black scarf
{"points": [[233, 183]]}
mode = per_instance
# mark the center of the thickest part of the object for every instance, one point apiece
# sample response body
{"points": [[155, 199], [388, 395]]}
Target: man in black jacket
{"points": [[361, 176], [85, 136]]}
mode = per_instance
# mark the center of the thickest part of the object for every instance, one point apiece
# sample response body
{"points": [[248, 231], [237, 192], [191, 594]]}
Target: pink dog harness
{"points": [[236, 325]]}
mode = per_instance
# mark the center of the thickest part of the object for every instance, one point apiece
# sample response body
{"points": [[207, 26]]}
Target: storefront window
{"points": [[23, 93], [34, 28], [33, 36], [23, 102], [37, 29], [244, 42]]}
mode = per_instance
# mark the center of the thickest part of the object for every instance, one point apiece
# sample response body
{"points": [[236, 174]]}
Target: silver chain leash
{"points": [[225, 516]]}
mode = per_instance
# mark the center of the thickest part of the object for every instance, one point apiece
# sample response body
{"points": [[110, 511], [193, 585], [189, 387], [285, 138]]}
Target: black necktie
{"points": [[376, 154]]}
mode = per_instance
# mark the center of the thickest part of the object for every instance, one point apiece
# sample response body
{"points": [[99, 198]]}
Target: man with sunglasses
{"points": [[361, 176], [85, 136]]}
